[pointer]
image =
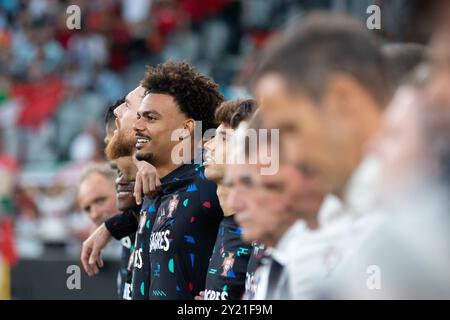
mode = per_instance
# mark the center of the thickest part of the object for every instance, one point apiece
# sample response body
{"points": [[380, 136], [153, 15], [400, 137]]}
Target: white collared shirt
{"points": [[308, 256], [282, 254], [403, 257], [360, 203], [311, 257]]}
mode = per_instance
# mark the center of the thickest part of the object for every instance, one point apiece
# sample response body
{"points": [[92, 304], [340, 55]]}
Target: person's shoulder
{"points": [[207, 191], [204, 185], [147, 203]]}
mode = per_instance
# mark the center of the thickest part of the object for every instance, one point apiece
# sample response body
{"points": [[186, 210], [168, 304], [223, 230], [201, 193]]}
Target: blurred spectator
{"points": [[8, 171], [58, 81], [97, 192], [86, 146]]}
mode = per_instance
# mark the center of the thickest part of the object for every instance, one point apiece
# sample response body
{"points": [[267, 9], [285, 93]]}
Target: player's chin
{"points": [[143, 155], [248, 228], [248, 235], [98, 222], [212, 174], [126, 203]]}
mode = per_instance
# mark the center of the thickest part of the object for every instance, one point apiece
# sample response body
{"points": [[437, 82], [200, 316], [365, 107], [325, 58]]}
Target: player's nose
{"points": [[96, 214]]}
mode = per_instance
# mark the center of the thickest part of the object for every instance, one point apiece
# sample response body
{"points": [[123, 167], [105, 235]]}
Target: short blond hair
{"points": [[102, 168]]}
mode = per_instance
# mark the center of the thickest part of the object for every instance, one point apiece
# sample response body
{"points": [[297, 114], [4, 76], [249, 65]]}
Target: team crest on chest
{"points": [[166, 212], [227, 264], [142, 221], [173, 204]]}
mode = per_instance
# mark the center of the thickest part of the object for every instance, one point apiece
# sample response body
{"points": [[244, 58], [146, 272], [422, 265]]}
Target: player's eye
{"points": [[100, 200], [288, 128], [247, 182], [274, 186]]}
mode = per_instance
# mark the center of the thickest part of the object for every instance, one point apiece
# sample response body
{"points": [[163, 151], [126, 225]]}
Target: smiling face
{"points": [[216, 153], [123, 141], [158, 117], [125, 183]]}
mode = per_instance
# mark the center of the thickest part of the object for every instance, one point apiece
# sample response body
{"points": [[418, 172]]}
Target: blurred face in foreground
{"points": [[328, 138], [438, 86], [400, 144], [263, 203], [97, 197]]}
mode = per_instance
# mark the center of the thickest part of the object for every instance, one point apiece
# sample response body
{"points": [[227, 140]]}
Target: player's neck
{"points": [[312, 221], [136, 210], [222, 194], [282, 231], [164, 169]]}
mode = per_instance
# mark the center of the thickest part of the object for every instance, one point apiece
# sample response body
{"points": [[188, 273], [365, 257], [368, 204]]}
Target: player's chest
{"points": [[175, 212]]}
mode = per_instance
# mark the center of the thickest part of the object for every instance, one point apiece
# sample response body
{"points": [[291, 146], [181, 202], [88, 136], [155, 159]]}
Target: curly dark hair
{"points": [[197, 95]]}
